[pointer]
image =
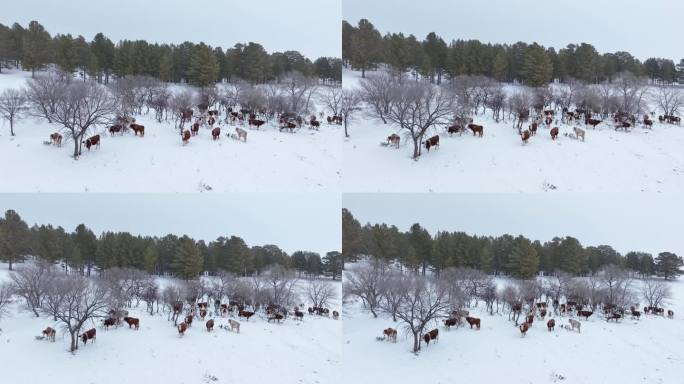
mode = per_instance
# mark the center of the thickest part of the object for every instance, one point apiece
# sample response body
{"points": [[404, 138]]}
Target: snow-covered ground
{"points": [[307, 352], [650, 350], [306, 161], [609, 161]]}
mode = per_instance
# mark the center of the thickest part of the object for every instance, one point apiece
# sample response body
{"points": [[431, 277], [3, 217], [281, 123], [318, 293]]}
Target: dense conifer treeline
{"points": [[83, 251], [32, 48], [363, 47], [517, 256]]}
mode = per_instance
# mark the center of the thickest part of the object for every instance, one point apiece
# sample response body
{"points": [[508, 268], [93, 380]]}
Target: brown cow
{"points": [[554, 133], [432, 335], [477, 129], [584, 314], [256, 123], [115, 129], [636, 314], [241, 133], [275, 317], [315, 124], [195, 129], [614, 316], [210, 325], [245, 314], [182, 327], [50, 334], [525, 135], [456, 128], [299, 315], [109, 322], [448, 323], [215, 133], [670, 313], [56, 139], [137, 128], [203, 313], [186, 137], [551, 324], [92, 141], [524, 327], [533, 128], [188, 320], [431, 142], [390, 334], [288, 126], [548, 121], [132, 321], [88, 335], [336, 315], [592, 122], [393, 140], [473, 321]]}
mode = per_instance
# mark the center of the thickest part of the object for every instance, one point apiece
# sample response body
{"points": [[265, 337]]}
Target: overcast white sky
{"points": [[627, 222], [644, 28], [309, 26], [292, 221]]}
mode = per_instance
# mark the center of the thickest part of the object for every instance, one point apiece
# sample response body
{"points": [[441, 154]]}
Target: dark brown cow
{"points": [[275, 317], [188, 320], [524, 327], [636, 314], [542, 313], [432, 335], [525, 136], [182, 327], [245, 314], [186, 137], [473, 321], [210, 325], [533, 128], [448, 323], [431, 142], [195, 129], [614, 316], [256, 123], [89, 335], [554, 133], [49, 333], [109, 322], [137, 128], [115, 129], [299, 315], [132, 321], [56, 139], [211, 121], [477, 129], [670, 313], [456, 128], [92, 141], [592, 122], [390, 334], [551, 324], [203, 313], [215, 133], [315, 124], [288, 126], [624, 125], [530, 319], [548, 121], [585, 314], [336, 315]]}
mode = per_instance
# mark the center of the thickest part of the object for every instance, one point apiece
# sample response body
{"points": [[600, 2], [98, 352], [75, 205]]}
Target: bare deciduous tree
{"points": [[364, 282], [376, 92], [12, 106], [616, 282], [669, 99], [31, 281], [655, 292], [320, 293], [631, 89], [281, 283], [81, 107], [331, 98], [299, 90], [6, 291], [349, 105], [74, 300], [423, 303], [45, 91], [417, 107]]}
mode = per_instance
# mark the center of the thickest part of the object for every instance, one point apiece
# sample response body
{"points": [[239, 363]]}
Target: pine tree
{"points": [[366, 47], [151, 258], [36, 47], [524, 261], [204, 69], [500, 66], [537, 67], [668, 265], [15, 238], [187, 262], [332, 264], [351, 236]]}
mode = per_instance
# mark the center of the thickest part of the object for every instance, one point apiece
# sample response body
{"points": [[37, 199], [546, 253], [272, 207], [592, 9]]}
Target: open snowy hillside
{"points": [[270, 160], [649, 350], [608, 161], [307, 352]]}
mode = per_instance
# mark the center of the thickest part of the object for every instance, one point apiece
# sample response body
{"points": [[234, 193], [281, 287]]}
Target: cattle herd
{"points": [[545, 119], [201, 116], [274, 313], [541, 312]]}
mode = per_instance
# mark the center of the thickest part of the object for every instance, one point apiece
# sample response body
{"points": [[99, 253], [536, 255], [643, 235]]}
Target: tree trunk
{"points": [[346, 133], [416, 342], [416, 147], [12, 126], [10, 263], [74, 341]]}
